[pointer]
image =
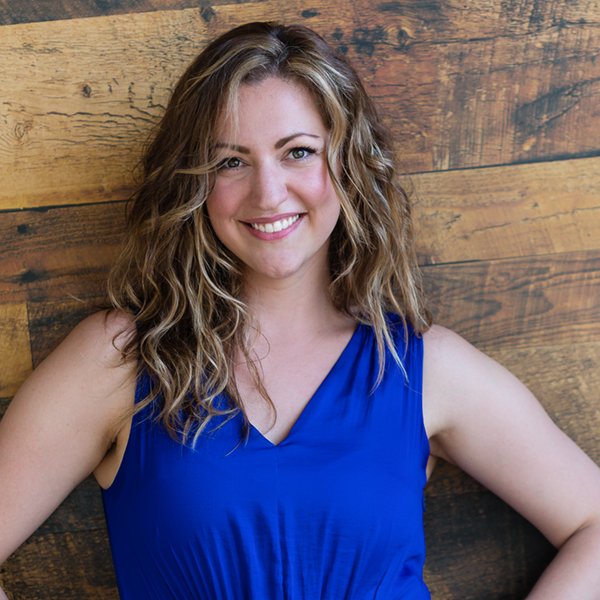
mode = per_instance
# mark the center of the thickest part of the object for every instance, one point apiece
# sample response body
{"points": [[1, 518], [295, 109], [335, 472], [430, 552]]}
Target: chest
{"points": [[291, 373]]}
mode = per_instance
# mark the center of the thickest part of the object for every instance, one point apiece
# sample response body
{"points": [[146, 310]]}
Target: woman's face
{"points": [[273, 203]]}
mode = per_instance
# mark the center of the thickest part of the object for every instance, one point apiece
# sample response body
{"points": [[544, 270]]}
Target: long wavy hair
{"points": [[183, 287]]}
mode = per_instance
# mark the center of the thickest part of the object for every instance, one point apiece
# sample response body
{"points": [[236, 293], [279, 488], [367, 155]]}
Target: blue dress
{"points": [[332, 512]]}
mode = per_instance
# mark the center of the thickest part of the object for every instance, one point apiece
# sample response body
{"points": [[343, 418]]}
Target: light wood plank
{"points": [[15, 352], [511, 211]]}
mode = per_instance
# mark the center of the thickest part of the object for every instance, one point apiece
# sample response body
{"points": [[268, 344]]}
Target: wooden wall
{"points": [[495, 108]]}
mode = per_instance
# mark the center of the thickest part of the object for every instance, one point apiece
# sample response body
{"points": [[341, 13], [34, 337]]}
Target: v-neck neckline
{"points": [[309, 406]]}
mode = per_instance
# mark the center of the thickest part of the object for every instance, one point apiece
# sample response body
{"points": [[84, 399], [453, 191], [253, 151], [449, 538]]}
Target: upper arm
{"points": [[59, 426], [482, 418]]}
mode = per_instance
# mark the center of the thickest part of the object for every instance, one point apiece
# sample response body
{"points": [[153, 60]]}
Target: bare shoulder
{"points": [[102, 336], [460, 381], [450, 364]]}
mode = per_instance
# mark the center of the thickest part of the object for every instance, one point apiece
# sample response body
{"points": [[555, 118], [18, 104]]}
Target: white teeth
{"points": [[276, 225]]}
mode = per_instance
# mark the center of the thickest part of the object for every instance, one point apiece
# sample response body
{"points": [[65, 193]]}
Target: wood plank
{"points": [[75, 565], [511, 211], [59, 253], [477, 546], [13, 12], [15, 352], [73, 120], [566, 379], [460, 216], [520, 302]]}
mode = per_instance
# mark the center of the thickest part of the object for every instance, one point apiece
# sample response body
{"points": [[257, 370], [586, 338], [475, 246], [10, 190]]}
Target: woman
{"points": [[261, 405]]}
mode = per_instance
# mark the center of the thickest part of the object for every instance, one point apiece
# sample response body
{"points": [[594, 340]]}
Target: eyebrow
{"points": [[278, 144]]}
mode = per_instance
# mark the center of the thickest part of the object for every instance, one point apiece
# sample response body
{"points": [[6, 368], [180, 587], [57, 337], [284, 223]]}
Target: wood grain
{"points": [[503, 212], [494, 111], [15, 352], [24, 11], [76, 565], [61, 253], [75, 113], [521, 302]]}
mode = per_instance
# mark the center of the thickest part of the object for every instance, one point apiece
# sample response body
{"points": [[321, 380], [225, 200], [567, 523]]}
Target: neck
{"points": [[291, 307]]}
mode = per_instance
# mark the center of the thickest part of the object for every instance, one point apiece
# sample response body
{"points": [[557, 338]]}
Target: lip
{"points": [[273, 218], [275, 235]]}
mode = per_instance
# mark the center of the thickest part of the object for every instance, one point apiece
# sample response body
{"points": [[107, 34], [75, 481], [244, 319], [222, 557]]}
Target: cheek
{"points": [[220, 204], [318, 189]]}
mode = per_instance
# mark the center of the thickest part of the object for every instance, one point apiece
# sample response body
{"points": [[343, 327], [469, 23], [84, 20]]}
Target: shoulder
{"points": [[103, 334], [85, 375], [453, 366], [462, 385]]}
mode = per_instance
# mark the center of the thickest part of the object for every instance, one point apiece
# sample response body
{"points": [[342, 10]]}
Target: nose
{"points": [[269, 186]]}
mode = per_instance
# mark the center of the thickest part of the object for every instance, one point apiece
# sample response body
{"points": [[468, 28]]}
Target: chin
{"points": [[279, 271]]}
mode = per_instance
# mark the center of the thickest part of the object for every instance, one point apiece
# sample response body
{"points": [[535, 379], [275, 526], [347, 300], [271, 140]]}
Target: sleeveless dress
{"points": [[332, 512]]}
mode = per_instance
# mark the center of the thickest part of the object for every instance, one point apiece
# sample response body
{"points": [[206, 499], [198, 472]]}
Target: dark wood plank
{"points": [[59, 253], [76, 565], [13, 12], [520, 302]]}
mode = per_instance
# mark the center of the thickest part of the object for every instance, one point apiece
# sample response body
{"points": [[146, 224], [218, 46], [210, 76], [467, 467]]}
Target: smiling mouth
{"points": [[275, 226]]}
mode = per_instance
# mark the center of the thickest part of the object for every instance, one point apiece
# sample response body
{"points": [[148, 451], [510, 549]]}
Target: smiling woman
{"points": [[264, 400]]}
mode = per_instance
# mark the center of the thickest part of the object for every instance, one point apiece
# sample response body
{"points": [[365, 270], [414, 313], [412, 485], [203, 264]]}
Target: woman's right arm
{"points": [[60, 425]]}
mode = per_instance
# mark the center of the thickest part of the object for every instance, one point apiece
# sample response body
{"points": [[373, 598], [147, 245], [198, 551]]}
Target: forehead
{"points": [[270, 107]]}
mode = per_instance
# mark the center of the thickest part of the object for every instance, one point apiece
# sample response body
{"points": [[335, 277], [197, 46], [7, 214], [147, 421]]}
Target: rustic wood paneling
{"points": [[511, 251], [74, 567], [73, 117]]}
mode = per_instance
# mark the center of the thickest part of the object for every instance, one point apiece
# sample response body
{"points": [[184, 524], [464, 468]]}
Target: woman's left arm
{"points": [[481, 418]]}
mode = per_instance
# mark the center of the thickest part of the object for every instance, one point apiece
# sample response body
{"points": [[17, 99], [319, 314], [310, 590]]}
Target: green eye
{"points": [[230, 163], [300, 153]]}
